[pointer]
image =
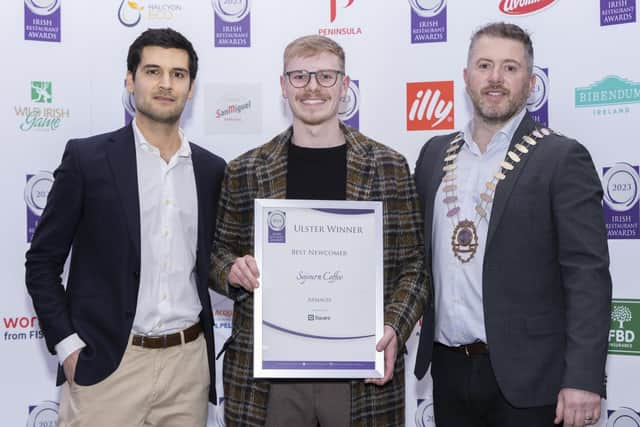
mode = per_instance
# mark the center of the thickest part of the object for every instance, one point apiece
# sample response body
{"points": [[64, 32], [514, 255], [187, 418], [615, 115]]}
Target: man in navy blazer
{"points": [[133, 330], [517, 249]]}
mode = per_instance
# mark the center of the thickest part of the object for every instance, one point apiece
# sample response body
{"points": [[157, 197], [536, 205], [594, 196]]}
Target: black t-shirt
{"points": [[317, 173]]}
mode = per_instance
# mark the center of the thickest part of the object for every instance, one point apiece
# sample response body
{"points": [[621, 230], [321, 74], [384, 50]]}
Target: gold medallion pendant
{"points": [[464, 240]]}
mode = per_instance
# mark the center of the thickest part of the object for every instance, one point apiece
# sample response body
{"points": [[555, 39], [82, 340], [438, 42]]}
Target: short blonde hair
{"points": [[312, 45]]}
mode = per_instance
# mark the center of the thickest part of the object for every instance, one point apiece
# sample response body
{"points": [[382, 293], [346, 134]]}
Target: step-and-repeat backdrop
{"points": [[63, 77]]}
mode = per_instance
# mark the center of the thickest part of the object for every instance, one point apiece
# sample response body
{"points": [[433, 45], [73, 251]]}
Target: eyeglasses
{"points": [[301, 78]]}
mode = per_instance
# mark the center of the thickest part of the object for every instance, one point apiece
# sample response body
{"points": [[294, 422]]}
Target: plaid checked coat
{"points": [[374, 172]]}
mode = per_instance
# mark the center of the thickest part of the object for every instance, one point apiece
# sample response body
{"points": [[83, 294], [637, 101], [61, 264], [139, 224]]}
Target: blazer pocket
{"points": [[547, 324]]}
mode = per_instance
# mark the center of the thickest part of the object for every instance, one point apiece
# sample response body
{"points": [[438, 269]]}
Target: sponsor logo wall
{"points": [[67, 61]]}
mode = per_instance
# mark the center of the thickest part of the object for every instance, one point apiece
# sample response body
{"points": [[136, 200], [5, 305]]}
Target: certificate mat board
{"points": [[318, 312]]}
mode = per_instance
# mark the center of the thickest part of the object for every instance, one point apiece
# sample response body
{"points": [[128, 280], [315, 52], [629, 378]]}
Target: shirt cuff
{"points": [[67, 346]]}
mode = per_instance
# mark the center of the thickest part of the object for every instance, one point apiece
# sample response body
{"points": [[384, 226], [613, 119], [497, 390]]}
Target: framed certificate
{"points": [[318, 312]]}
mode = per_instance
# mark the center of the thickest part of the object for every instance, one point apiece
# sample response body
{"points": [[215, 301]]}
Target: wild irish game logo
{"points": [[625, 327], [41, 114]]}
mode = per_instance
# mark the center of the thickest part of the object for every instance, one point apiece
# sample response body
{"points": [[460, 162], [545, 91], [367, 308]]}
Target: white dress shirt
{"points": [[167, 298], [459, 314]]}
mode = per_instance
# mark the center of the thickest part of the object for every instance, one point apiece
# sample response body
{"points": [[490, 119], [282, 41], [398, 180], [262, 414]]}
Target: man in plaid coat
{"points": [[318, 158]]}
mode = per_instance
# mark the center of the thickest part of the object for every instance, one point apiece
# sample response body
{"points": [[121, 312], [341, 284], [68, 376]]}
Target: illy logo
{"points": [[334, 6], [430, 105]]}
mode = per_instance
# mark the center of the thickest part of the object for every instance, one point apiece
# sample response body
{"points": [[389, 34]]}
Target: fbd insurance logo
{"points": [[538, 102], [232, 23], [41, 114], [625, 327], [35, 196], [44, 414], [42, 20], [349, 108], [430, 105], [612, 95], [428, 21], [338, 12], [131, 12]]}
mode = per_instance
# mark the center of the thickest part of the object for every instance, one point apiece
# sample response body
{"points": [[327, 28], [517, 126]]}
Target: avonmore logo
{"points": [[430, 105], [524, 7]]}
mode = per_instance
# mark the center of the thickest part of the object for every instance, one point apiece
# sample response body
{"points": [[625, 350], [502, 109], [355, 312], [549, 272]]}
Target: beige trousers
{"points": [[151, 387]]}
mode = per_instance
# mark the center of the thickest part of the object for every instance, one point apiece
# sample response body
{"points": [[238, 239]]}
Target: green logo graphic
{"points": [[625, 327], [612, 90], [41, 92]]}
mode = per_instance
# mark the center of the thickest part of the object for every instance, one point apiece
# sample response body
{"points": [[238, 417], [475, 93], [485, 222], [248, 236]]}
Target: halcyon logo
{"points": [[621, 184], [42, 20], [430, 105], [428, 21], [333, 8], [625, 327], [232, 23], [35, 196], [349, 108], [614, 12], [43, 414], [524, 7], [537, 104], [130, 13]]}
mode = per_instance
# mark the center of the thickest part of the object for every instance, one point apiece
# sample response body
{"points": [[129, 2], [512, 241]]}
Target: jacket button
{"points": [[136, 274]]}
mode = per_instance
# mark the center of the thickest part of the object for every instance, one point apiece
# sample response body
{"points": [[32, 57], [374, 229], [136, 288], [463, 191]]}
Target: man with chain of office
{"points": [[516, 244]]}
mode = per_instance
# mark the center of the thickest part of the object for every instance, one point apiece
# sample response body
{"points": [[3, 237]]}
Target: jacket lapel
{"points": [[436, 174], [121, 155], [198, 168], [505, 187]]}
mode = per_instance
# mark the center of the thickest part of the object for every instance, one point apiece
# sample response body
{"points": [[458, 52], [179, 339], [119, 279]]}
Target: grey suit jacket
{"points": [[546, 283]]}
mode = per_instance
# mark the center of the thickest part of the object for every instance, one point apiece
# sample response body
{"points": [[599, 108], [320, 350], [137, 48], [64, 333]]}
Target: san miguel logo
{"points": [[524, 7]]}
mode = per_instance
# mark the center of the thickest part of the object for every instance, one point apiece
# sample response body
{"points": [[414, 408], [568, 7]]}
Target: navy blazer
{"points": [[93, 210], [545, 281]]}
